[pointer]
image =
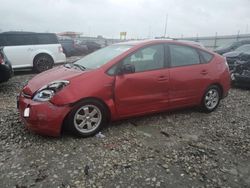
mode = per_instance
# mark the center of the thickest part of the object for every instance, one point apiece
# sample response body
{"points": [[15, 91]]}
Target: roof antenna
{"points": [[166, 25]]}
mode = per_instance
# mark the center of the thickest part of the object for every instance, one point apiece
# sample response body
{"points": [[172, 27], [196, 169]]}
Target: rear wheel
{"points": [[211, 98], [66, 53], [43, 63], [87, 118]]}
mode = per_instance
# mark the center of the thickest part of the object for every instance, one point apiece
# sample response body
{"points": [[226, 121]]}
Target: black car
{"points": [[5, 67], [237, 55], [240, 75], [231, 46], [91, 45], [72, 48]]}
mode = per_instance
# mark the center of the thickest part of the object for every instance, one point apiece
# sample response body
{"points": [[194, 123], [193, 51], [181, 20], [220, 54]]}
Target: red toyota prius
{"points": [[123, 80]]}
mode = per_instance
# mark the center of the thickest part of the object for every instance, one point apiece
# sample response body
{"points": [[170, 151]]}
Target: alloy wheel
{"points": [[87, 118], [212, 98]]}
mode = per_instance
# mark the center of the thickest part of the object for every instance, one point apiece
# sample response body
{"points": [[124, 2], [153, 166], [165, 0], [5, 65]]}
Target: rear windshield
{"points": [[244, 48]]}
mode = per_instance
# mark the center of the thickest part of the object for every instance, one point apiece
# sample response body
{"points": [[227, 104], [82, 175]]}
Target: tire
{"points": [[211, 99], [87, 118], [66, 53], [43, 63]]}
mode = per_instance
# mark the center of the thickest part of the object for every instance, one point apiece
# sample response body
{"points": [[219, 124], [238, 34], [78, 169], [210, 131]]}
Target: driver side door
{"points": [[146, 89]]}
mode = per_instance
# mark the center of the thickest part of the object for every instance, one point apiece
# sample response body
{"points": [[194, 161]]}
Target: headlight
{"points": [[48, 91], [44, 95]]}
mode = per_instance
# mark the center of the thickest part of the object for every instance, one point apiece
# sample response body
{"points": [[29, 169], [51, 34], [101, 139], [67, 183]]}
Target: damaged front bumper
{"points": [[241, 79], [42, 117]]}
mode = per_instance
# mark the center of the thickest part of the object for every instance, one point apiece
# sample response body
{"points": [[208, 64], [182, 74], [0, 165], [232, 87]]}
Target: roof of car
{"points": [[157, 41], [136, 42]]}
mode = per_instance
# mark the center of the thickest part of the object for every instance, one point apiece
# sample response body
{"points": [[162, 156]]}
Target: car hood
{"points": [[58, 73], [232, 54]]}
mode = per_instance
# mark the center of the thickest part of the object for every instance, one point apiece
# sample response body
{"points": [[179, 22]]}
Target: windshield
{"points": [[225, 46], [102, 56], [244, 48]]}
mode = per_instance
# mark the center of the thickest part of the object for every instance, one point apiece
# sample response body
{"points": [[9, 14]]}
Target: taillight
{"points": [[1, 59], [60, 49]]}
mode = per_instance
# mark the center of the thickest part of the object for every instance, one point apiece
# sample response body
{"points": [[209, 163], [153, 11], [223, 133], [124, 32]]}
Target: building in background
{"points": [[70, 34]]}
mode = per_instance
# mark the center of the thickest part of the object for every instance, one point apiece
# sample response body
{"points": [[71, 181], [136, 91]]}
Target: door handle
{"points": [[162, 78], [204, 72]]}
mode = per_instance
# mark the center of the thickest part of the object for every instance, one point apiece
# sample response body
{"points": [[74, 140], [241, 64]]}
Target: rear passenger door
{"points": [[188, 75], [48, 43], [18, 49]]}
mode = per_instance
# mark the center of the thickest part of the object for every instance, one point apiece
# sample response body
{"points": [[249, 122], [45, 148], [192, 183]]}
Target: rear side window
{"points": [[2, 40], [206, 56], [47, 39], [183, 56], [18, 40]]}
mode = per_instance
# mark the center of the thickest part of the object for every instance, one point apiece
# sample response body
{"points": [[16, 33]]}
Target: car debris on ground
{"points": [[186, 149]]}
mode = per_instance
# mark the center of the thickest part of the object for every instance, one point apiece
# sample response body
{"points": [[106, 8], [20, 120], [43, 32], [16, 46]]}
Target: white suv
{"points": [[39, 51]]}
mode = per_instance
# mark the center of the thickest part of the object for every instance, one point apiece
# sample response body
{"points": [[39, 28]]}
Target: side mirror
{"points": [[126, 69]]}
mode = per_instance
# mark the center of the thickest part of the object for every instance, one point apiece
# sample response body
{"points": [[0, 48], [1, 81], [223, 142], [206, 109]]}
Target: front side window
{"points": [[149, 58], [183, 56]]}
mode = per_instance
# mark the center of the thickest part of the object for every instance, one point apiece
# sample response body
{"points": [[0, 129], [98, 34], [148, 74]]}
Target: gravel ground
{"points": [[174, 149]]}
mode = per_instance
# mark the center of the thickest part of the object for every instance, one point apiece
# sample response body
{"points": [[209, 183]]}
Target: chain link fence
{"points": [[212, 42]]}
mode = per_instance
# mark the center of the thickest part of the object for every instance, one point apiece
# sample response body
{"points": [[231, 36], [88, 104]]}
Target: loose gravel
{"points": [[184, 148]]}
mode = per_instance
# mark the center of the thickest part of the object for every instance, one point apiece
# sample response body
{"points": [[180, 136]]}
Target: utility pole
{"points": [[149, 32], [215, 40], [238, 36], [166, 25]]}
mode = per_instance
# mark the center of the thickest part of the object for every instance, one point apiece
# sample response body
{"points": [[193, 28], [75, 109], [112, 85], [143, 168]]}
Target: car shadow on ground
{"points": [[136, 121], [23, 72]]}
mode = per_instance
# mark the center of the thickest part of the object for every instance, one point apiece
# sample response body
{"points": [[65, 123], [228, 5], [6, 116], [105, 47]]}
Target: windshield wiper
{"points": [[69, 66], [79, 66]]}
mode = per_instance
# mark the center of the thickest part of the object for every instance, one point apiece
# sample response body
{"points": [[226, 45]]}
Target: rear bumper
{"points": [[59, 58], [6, 72], [44, 118]]}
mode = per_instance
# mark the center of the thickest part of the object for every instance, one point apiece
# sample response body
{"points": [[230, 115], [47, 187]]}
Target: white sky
{"points": [[139, 18]]}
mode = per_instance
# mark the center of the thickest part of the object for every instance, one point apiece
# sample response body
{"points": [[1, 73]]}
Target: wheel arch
{"points": [[43, 53], [219, 86], [98, 100], [63, 127]]}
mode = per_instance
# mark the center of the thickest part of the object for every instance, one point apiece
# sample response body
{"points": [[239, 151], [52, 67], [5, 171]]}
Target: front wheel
{"points": [[87, 118], [211, 98]]}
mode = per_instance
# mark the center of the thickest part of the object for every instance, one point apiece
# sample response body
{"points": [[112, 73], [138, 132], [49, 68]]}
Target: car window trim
{"points": [[118, 64]]}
